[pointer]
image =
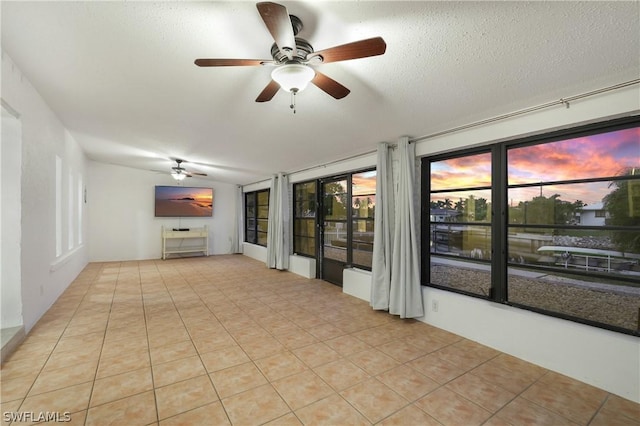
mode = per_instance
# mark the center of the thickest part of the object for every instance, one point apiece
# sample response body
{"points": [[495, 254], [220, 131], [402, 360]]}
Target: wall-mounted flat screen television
{"points": [[183, 201]]}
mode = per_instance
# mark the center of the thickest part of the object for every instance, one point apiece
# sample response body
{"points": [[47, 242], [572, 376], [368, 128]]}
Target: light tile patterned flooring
{"points": [[224, 340]]}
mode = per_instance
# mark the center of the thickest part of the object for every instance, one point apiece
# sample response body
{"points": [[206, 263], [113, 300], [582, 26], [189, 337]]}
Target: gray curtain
{"points": [[395, 282], [237, 237], [383, 231], [278, 231]]}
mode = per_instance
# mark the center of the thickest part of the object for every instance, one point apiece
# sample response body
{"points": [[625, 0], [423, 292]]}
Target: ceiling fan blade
{"points": [[268, 92], [358, 49], [198, 174], [231, 62], [330, 86], [276, 18]]}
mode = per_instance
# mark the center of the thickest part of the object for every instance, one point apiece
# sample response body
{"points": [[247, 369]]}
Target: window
{"points": [[70, 211], [256, 217], [459, 225], [363, 204], [549, 224], [304, 218], [79, 200], [58, 206]]}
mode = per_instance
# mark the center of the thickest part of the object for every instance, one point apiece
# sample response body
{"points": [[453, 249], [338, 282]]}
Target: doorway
{"points": [[334, 228]]}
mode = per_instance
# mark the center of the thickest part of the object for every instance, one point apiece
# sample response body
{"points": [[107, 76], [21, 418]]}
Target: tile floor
{"points": [[224, 340]]}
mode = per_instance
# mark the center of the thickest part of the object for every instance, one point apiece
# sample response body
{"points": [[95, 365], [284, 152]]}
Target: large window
{"points": [[304, 219], [256, 217], [460, 222], [550, 224]]}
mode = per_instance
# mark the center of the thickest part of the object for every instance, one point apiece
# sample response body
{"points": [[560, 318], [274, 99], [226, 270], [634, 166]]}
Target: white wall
{"points": [[302, 265], [10, 230], [44, 275], [255, 251], [122, 222]]}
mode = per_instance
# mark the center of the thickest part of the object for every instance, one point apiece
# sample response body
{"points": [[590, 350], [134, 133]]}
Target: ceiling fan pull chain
{"points": [[293, 101]]}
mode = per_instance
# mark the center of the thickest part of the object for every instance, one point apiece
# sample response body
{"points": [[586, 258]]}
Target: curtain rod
{"points": [[562, 101]]}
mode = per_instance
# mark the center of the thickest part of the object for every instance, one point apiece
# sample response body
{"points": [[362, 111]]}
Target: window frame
{"points": [[256, 218], [351, 219], [296, 250], [348, 176], [500, 222]]}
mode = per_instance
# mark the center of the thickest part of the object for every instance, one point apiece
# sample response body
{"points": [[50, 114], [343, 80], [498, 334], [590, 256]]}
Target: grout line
{"points": [[595, 414], [146, 329]]}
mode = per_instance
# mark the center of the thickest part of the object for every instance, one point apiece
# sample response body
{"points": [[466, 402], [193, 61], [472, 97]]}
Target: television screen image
{"points": [[183, 201]]}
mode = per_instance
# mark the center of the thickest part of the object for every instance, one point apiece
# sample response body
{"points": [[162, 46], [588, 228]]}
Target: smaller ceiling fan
{"points": [[293, 56], [179, 172]]}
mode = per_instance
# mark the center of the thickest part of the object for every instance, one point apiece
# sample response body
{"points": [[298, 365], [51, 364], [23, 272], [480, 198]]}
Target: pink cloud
{"points": [[602, 155], [595, 156]]}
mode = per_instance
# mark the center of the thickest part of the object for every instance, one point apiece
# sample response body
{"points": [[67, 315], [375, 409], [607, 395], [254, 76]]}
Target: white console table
{"points": [[201, 246]]}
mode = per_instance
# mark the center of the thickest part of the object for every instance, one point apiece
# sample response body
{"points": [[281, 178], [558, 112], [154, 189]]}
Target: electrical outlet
{"points": [[434, 305]]}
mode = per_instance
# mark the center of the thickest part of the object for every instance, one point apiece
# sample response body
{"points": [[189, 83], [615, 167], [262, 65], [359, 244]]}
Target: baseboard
{"points": [[11, 339]]}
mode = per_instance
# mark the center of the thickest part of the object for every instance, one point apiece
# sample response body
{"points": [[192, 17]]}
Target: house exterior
{"points": [[593, 215]]}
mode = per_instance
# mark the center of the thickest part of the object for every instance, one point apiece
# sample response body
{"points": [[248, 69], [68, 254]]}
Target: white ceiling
{"points": [[121, 77]]}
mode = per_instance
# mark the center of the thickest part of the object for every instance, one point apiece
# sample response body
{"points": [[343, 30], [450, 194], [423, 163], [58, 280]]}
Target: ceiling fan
{"points": [[294, 56], [179, 172]]}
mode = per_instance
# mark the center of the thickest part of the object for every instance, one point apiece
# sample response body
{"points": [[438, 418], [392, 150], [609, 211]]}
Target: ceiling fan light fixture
{"points": [[178, 176], [293, 77]]}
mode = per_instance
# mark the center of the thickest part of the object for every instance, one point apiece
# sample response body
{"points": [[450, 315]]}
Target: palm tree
{"points": [[621, 203]]}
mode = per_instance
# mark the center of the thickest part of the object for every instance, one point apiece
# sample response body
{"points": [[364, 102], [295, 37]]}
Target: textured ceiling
{"points": [[120, 75]]}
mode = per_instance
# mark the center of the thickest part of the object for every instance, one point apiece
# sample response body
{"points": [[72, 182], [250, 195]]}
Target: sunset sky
{"points": [[602, 155], [203, 195], [364, 183]]}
